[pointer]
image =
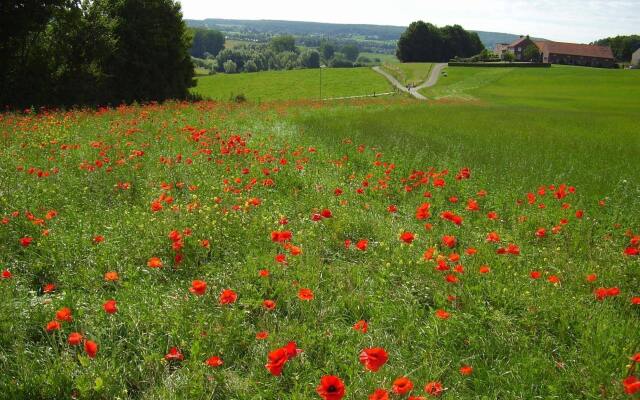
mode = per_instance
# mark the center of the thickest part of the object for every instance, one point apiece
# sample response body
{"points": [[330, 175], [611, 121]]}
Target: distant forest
{"points": [[370, 38]]}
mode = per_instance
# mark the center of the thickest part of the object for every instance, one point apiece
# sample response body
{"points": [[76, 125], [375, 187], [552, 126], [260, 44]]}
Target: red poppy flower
{"points": [[492, 215], [264, 273], [541, 232], [442, 314], [535, 274], [631, 385], [635, 358], [74, 339], [362, 326], [111, 276], [402, 386], [174, 354], [579, 213], [449, 241], [110, 307], [553, 279], [379, 394], [214, 361], [493, 237], [316, 217], [26, 241], [281, 258], [434, 388], [635, 301], [228, 296], [373, 358], [326, 213], [48, 288], [198, 287], [64, 314], [451, 278], [98, 239], [262, 335], [484, 269], [422, 212], [91, 348], [392, 209], [269, 304], [6, 274], [407, 237], [305, 294], [276, 360], [330, 388], [592, 277], [154, 262], [53, 326], [466, 370], [281, 236], [362, 244]]}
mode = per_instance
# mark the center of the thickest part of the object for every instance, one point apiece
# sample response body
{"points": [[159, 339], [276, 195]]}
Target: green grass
{"points": [[409, 73], [291, 85], [524, 338]]}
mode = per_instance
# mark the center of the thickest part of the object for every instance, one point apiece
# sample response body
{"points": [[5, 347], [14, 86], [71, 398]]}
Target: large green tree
{"points": [[206, 41], [622, 46], [64, 52], [426, 42]]}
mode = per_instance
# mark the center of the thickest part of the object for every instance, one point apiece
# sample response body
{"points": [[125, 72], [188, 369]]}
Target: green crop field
{"points": [[482, 245], [409, 73], [296, 84]]}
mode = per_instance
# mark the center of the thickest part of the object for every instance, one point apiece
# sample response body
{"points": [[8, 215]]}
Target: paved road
{"points": [[433, 79]]}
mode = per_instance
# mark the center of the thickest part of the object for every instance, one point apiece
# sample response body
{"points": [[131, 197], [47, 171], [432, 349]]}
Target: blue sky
{"points": [[563, 20]]}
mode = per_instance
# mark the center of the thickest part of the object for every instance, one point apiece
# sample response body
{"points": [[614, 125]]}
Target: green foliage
{"points": [[426, 42], [309, 59], [70, 53], [350, 52], [250, 66], [327, 50], [531, 53], [622, 46], [508, 56], [283, 43], [340, 61], [206, 43], [230, 67]]}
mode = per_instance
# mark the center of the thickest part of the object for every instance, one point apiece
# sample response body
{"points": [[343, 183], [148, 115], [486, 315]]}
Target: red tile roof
{"points": [[574, 49]]}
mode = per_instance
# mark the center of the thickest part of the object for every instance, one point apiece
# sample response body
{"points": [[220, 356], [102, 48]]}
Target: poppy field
{"points": [[380, 249]]}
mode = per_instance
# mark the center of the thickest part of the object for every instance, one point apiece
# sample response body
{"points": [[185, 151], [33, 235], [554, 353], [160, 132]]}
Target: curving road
{"points": [[432, 80]]}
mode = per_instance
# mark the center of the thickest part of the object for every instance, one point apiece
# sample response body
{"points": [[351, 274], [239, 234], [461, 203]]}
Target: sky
{"points": [[581, 21]]}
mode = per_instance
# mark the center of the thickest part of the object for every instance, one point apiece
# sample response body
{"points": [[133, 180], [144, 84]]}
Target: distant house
{"points": [[501, 48], [635, 58], [561, 53]]}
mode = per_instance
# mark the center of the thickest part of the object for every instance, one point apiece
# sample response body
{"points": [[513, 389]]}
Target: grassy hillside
{"points": [[409, 73], [296, 84], [482, 249], [558, 87]]}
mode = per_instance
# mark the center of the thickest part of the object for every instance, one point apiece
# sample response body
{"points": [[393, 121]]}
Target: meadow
{"points": [[481, 245], [409, 73], [292, 85]]}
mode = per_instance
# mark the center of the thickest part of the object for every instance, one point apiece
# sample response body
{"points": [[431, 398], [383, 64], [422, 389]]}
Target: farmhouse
{"points": [[635, 58], [561, 53]]}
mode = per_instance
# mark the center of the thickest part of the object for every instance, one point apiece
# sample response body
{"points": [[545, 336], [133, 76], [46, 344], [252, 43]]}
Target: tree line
{"points": [[67, 52], [423, 42], [280, 53], [622, 46]]}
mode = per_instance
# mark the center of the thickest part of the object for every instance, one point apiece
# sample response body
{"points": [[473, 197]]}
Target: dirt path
{"points": [[432, 80]]}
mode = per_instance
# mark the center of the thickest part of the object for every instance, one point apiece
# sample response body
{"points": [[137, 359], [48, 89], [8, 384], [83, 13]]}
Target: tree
{"points": [[426, 42], [230, 67], [327, 50], [350, 52], [622, 46], [283, 43], [420, 42], [206, 41], [250, 66], [531, 53], [508, 56], [309, 59]]}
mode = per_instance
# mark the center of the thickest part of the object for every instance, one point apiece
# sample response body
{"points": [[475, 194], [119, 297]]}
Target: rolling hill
{"points": [[361, 31]]}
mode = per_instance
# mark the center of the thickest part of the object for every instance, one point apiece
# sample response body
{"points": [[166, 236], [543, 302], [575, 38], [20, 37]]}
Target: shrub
{"points": [[230, 67]]}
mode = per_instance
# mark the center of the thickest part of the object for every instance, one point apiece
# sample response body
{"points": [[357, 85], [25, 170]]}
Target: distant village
{"points": [[560, 53]]}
